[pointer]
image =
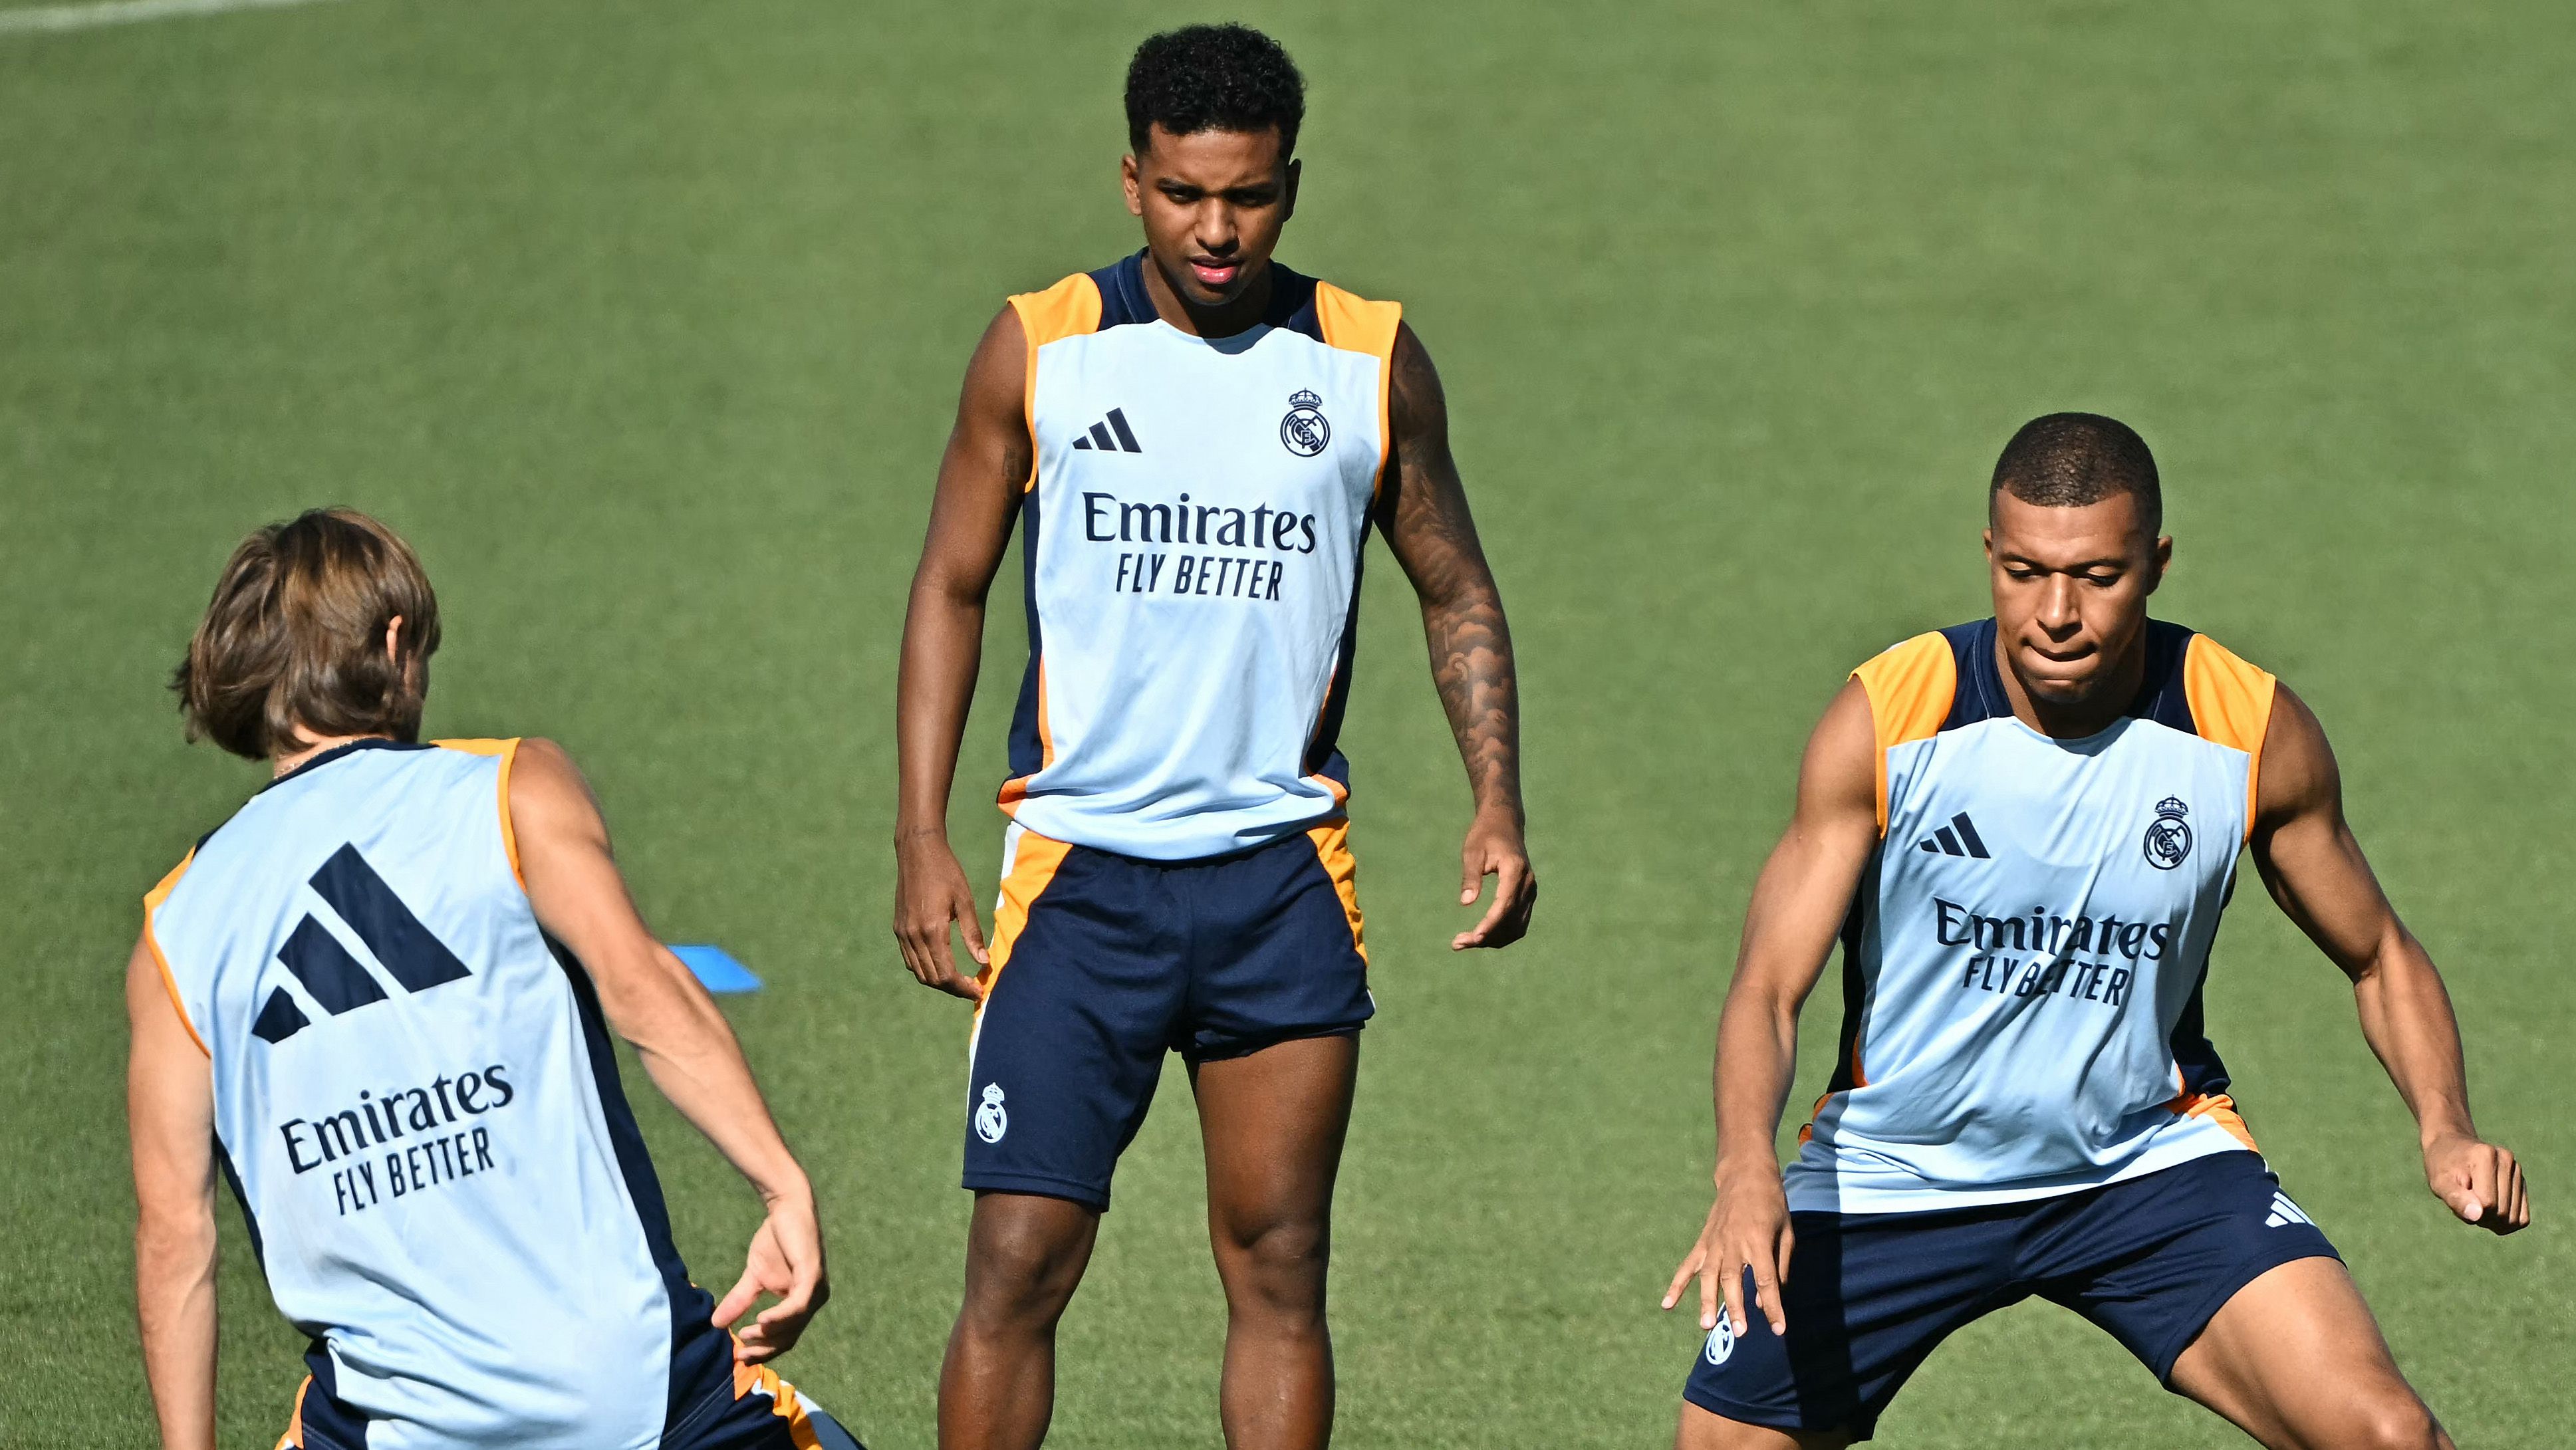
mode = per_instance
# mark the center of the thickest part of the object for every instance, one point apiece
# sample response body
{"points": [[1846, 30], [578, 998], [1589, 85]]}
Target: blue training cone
{"points": [[716, 970]]}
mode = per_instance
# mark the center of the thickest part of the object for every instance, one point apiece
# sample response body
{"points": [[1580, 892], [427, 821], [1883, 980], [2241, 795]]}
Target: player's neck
{"points": [[309, 747], [1240, 315], [2078, 719]]}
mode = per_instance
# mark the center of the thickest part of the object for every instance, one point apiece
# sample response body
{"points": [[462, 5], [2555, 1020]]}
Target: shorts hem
{"points": [[1861, 1427], [2244, 1273], [1245, 1047], [1090, 1197]]}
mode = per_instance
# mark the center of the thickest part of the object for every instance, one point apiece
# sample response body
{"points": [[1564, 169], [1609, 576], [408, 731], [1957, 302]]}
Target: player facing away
{"points": [[2023, 830], [377, 1000], [1194, 443]]}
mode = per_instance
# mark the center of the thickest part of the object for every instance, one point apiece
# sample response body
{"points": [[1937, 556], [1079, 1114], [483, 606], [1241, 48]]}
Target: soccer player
{"points": [[1195, 443], [378, 1000], [2023, 830]]}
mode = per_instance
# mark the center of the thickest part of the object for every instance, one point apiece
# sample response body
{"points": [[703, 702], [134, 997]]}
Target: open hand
{"points": [[1748, 1228]]}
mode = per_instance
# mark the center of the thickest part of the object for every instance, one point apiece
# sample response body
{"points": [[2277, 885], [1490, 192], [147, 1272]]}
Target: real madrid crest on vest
{"points": [[2168, 842], [1304, 429], [991, 1121]]}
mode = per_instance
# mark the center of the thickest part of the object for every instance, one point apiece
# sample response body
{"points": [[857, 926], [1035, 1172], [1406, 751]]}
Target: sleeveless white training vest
{"points": [[2023, 964], [1192, 532], [418, 1106]]}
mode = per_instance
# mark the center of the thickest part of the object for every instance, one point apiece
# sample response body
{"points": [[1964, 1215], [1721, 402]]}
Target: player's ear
{"points": [[2163, 555], [1987, 535], [1288, 195], [1134, 186]]}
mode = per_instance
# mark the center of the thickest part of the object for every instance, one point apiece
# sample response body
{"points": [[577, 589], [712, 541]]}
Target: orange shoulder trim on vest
{"points": [[2231, 705], [508, 750], [1070, 308], [1910, 687], [1355, 324], [151, 903]]}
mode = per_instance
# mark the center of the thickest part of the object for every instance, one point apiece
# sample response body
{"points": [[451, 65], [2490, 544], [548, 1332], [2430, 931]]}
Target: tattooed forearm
{"points": [[1428, 527]]}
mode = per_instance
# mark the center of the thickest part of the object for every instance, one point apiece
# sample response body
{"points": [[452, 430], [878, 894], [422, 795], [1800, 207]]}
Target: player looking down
{"points": [[2023, 830], [378, 1000], [1194, 443]]}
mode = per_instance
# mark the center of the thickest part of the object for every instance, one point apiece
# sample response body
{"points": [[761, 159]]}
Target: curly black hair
{"points": [[2067, 460], [1214, 77]]}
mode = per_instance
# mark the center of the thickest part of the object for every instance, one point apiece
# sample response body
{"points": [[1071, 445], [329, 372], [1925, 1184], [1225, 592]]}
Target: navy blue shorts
{"points": [[1102, 963], [1869, 1294]]}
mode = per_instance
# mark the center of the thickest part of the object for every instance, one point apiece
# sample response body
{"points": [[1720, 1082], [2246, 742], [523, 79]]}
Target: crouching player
{"points": [[378, 1000]]}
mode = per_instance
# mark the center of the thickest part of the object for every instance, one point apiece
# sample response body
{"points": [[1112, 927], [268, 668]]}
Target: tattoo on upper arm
{"points": [[1423, 510]]}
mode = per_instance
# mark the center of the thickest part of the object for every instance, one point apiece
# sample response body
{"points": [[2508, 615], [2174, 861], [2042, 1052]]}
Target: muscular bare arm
{"points": [[1799, 903], [980, 477], [1433, 537], [652, 1001], [170, 1115], [2313, 866]]}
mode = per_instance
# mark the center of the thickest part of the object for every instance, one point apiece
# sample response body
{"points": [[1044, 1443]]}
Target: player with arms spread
{"points": [[1194, 443], [2023, 831], [378, 1000]]}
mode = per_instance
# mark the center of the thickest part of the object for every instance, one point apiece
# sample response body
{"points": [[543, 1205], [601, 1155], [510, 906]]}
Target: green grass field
{"points": [[645, 321]]}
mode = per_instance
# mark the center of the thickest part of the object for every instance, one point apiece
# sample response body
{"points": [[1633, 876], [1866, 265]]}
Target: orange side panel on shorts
{"points": [[508, 750], [761, 1379], [1355, 324], [1910, 687], [293, 1439], [2231, 705], [1033, 865], [151, 903], [1333, 848], [2219, 1108], [1070, 308]]}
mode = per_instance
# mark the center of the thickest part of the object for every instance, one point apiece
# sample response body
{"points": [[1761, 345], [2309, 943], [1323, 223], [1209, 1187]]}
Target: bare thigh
{"points": [[1701, 1430], [2296, 1361]]}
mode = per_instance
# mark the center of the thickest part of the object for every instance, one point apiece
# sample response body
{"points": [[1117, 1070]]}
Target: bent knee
{"points": [[2394, 1422], [1020, 1275]]}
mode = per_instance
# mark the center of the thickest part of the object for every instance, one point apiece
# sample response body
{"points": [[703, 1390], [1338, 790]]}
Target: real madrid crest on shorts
{"points": [[1304, 429], [1721, 1341], [2168, 842], [991, 1121]]}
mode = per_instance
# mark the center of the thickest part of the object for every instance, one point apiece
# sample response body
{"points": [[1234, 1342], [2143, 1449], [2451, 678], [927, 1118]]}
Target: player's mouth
{"points": [[1215, 275]]}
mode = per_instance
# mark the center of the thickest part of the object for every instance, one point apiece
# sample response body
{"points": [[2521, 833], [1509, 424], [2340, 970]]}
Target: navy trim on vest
{"points": [[1980, 693], [1123, 299], [1122, 292], [336, 752], [1855, 983], [258, 1247], [1028, 752], [1322, 755], [700, 1352]]}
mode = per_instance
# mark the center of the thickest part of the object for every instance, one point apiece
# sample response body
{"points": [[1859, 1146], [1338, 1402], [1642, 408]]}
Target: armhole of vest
{"points": [[1355, 324], [170, 983], [1070, 308], [508, 751], [2231, 705], [1910, 687]]}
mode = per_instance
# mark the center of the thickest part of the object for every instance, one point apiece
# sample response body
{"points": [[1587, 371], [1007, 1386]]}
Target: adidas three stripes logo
{"points": [[2285, 1213], [412, 955], [1110, 435], [1959, 838]]}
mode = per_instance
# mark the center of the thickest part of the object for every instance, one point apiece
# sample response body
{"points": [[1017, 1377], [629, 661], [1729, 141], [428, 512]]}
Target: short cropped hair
{"points": [[2068, 460], [1214, 77], [293, 643]]}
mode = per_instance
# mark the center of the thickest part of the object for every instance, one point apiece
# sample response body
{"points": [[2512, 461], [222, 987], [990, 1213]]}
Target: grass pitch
{"points": [[645, 323]]}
